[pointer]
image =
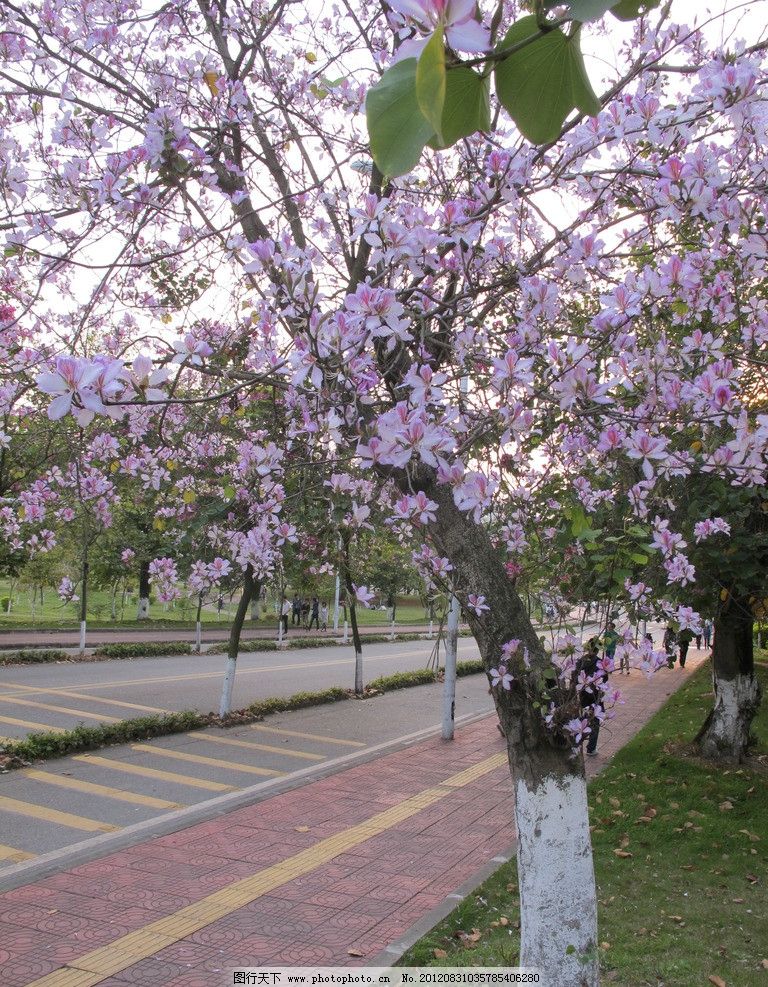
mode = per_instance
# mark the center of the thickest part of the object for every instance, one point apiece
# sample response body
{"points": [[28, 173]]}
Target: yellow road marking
{"points": [[259, 747], [106, 961], [92, 699], [31, 725], [91, 788], [306, 736], [13, 855], [61, 709], [55, 816], [200, 676], [137, 769], [199, 759]]}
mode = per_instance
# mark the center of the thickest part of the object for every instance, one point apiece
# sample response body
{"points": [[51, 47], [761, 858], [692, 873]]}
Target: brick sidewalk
{"points": [[327, 874]]}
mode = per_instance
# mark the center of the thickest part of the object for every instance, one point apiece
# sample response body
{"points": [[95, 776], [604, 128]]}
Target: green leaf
{"points": [[467, 106], [630, 10], [229, 492], [541, 83], [397, 129], [589, 10], [639, 558], [430, 81]]}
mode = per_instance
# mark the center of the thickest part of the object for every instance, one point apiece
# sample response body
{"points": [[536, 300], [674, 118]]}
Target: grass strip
{"points": [[683, 901], [32, 656]]}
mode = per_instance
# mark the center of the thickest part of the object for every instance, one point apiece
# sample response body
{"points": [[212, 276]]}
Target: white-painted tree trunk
{"points": [[449, 684], [142, 612], [198, 637], [225, 707], [727, 732], [391, 630], [82, 636], [336, 604], [558, 901], [358, 671]]}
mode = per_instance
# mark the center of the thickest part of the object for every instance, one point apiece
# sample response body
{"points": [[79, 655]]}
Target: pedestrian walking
{"points": [[296, 609], [304, 613], [669, 642], [707, 635], [324, 617], [285, 613], [684, 639], [610, 639], [590, 696], [314, 614], [698, 639]]}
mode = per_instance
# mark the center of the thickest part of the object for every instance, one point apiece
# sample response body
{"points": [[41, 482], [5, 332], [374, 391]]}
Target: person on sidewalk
{"points": [[315, 614], [669, 642], [285, 614], [591, 695], [295, 610], [610, 639], [684, 639], [707, 635], [324, 617]]}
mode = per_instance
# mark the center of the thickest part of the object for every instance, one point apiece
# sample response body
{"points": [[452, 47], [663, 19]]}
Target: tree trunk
{"points": [[113, 601], [198, 624], [558, 898], [83, 605], [249, 587], [142, 612], [724, 737]]}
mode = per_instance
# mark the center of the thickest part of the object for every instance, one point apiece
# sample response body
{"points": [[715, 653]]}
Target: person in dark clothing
{"points": [[296, 610], [591, 695], [684, 639], [670, 639], [315, 614]]}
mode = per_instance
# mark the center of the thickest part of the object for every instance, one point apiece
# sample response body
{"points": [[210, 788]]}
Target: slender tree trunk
{"points": [[198, 627], [83, 604], [558, 899], [356, 641], [113, 601], [724, 736], [142, 612], [250, 586], [449, 683]]}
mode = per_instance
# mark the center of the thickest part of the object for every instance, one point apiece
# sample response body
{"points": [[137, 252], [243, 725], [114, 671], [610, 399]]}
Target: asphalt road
{"points": [[60, 696]]}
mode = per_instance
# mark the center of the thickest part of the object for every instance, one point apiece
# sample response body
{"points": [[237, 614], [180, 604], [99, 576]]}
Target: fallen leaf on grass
{"points": [[503, 920], [724, 807], [737, 901], [753, 837], [623, 854], [764, 964], [752, 878], [717, 981], [439, 954], [676, 918]]}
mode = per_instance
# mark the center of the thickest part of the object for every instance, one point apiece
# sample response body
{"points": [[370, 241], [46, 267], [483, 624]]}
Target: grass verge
{"points": [[685, 901]]}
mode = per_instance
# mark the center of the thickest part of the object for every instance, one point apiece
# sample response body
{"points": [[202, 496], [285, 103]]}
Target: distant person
{"points": [[314, 614], [610, 639], [295, 609], [219, 605], [304, 612], [707, 635], [591, 695], [324, 617], [669, 642], [698, 639], [684, 639], [284, 615]]}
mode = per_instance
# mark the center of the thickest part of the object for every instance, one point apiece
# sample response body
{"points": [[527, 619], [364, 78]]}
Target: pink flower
{"points": [[190, 350], [478, 604], [456, 17], [363, 595], [501, 676]]}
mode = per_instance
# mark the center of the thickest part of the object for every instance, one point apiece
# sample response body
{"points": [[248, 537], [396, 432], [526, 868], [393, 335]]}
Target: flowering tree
{"points": [[503, 313]]}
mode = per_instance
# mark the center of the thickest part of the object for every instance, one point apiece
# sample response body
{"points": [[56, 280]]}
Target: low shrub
{"points": [[403, 680], [150, 649], [33, 656], [469, 667], [300, 700], [38, 746]]}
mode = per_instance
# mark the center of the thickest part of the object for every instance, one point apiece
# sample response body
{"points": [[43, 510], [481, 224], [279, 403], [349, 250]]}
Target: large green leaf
{"points": [[396, 126], [430, 81], [467, 106], [630, 10], [541, 83], [589, 10]]}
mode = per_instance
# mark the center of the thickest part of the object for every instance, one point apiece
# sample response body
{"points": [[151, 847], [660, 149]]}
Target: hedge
{"points": [[34, 656], [151, 649]]}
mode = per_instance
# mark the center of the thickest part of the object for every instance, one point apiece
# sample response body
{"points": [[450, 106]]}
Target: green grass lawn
{"points": [[685, 898], [57, 615]]}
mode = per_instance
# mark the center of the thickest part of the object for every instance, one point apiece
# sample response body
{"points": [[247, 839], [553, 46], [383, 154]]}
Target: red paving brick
{"points": [[362, 900]]}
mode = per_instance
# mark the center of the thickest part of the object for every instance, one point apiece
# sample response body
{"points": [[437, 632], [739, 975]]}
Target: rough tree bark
{"points": [[555, 872], [724, 737]]}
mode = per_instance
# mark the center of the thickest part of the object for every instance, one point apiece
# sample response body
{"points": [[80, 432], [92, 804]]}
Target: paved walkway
{"points": [[329, 873]]}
